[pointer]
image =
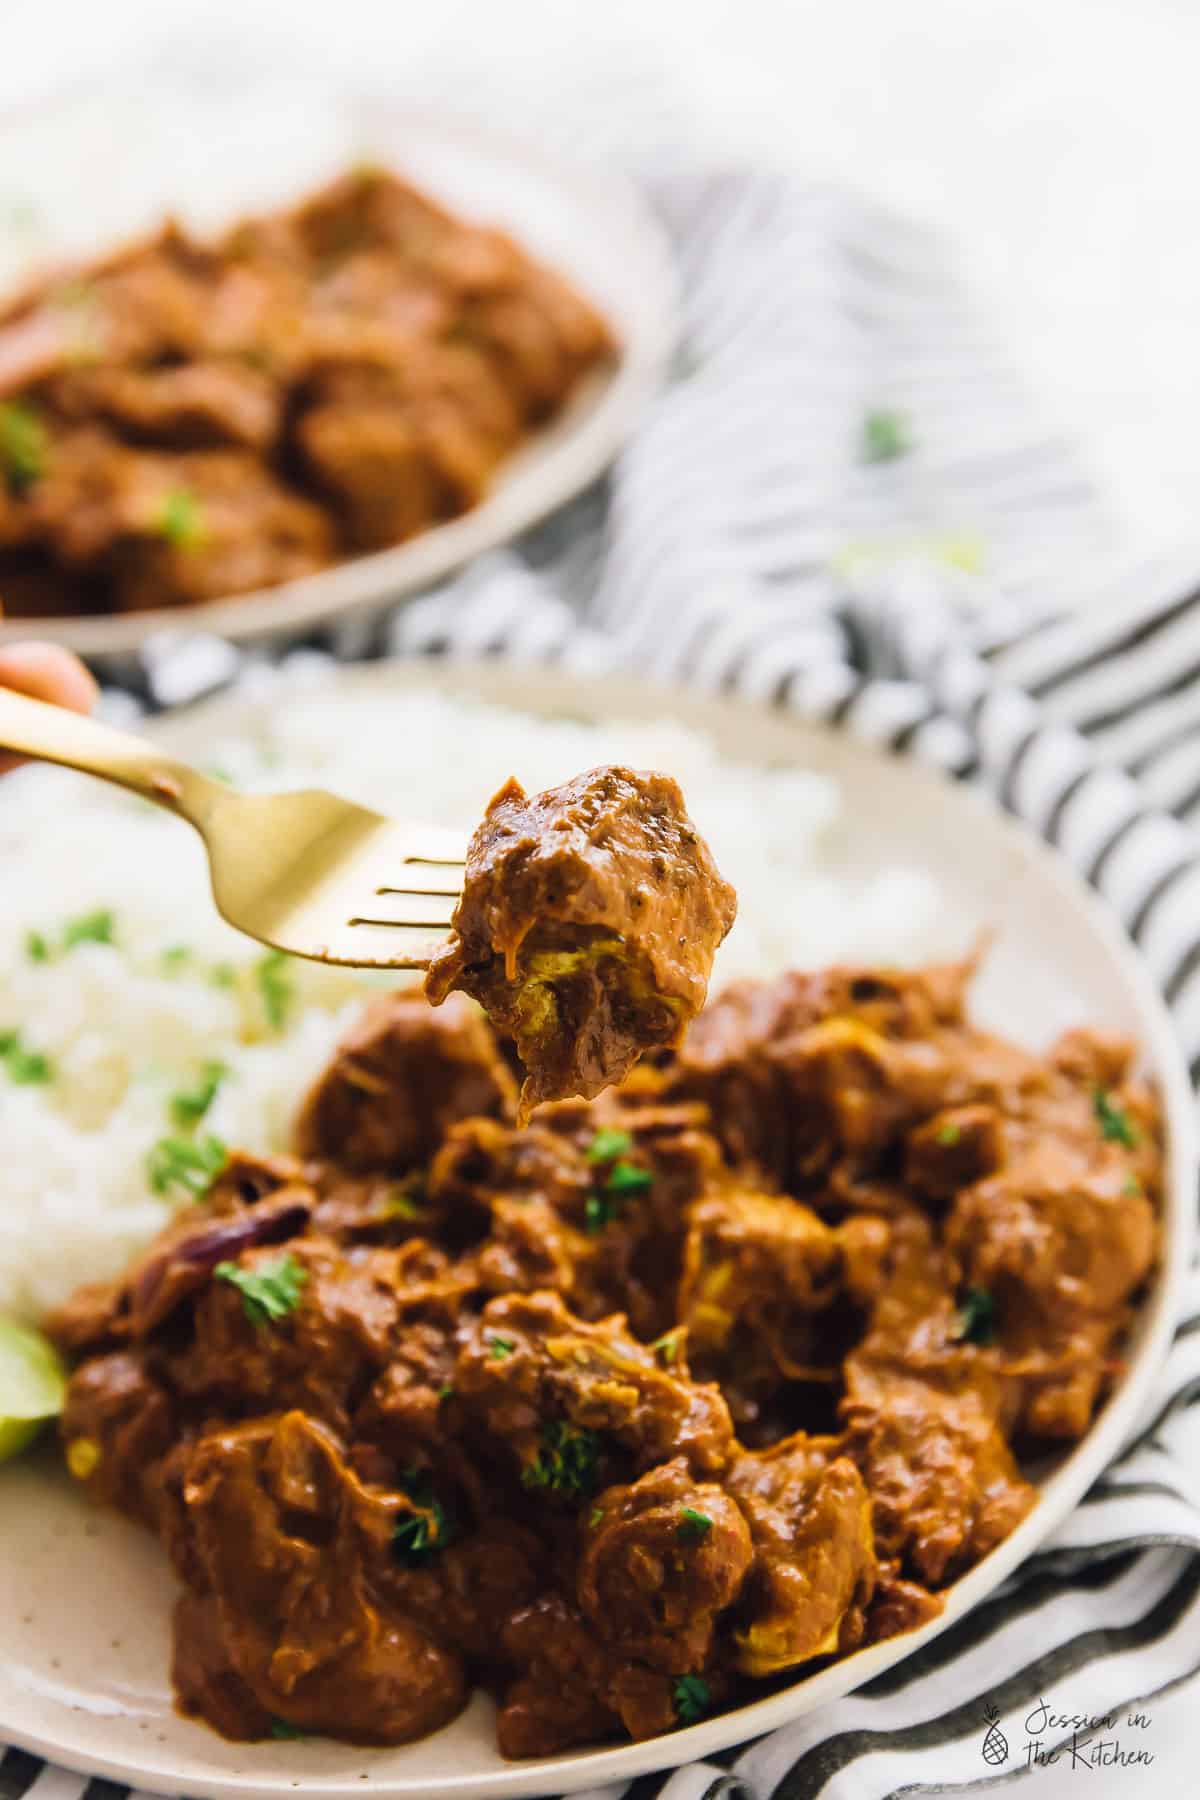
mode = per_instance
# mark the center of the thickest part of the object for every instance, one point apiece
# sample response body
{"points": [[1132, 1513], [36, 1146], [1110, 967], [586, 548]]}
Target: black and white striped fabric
{"points": [[960, 602]]}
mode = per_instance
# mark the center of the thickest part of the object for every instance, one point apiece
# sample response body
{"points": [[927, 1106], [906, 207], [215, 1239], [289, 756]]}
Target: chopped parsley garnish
{"points": [[885, 436], [269, 1292], [566, 1462], [693, 1526], [692, 1697], [281, 1729], [175, 955], [500, 1347], [1116, 1127], [1131, 1186], [189, 1105], [180, 520], [976, 1323], [185, 1163], [623, 1180], [92, 928], [417, 1535], [445, 1391], [949, 1134], [23, 447], [606, 1145], [595, 1517], [667, 1346], [24, 1067], [598, 1212], [275, 987], [223, 975]]}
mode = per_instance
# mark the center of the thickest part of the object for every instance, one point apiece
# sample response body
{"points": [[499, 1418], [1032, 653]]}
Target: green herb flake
{"points": [[24, 1067], [23, 446], [175, 956], [445, 1391], [275, 987], [417, 1535], [595, 1517], [693, 1526], [223, 975], [692, 1697], [667, 1346], [976, 1322], [566, 1461], [625, 1179], [180, 519], [281, 1729], [500, 1347], [607, 1145], [269, 1292], [1131, 1187], [189, 1106], [1116, 1127], [185, 1164], [598, 1212], [949, 1134], [92, 928], [885, 436]]}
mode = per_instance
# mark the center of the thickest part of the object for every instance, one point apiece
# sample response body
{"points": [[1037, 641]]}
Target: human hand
{"points": [[45, 672]]}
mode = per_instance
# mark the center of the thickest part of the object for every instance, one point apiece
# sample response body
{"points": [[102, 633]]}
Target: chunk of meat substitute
{"points": [[291, 1626], [814, 1553], [401, 1077], [662, 1559], [587, 926]]}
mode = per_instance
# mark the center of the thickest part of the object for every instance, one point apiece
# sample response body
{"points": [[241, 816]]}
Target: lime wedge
{"points": [[32, 1384]]}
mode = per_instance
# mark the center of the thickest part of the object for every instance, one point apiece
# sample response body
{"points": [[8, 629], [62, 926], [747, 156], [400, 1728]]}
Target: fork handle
{"points": [[34, 728]]}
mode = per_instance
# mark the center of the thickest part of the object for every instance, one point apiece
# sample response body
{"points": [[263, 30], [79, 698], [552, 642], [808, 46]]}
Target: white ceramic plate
{"points": [[85, 1598], [91, 171]]}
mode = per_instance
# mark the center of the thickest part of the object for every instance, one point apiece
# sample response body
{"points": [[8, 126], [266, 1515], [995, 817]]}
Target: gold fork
{"points": [[307, 872]]}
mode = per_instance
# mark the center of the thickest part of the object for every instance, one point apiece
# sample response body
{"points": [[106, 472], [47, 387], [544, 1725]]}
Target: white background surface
{"points": [[1056, 140]]}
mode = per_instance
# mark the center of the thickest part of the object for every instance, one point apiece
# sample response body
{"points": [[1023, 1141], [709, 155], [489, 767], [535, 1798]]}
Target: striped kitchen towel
{"points": [[841, 505]]}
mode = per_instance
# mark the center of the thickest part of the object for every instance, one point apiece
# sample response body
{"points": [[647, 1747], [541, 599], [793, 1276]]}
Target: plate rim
{"points": [[604, 697], [546, 471]]}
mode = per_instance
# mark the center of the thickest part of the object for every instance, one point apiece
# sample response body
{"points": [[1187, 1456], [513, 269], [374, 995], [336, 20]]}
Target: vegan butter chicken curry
{"points": [[187, 419], [675, 1391]]}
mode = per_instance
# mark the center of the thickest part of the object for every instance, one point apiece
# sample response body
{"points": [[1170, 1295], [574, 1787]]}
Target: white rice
{"points": [[123, 1031]]}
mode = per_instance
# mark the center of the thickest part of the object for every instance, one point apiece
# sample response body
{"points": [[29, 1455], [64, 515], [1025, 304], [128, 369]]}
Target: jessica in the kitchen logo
{"points": [[1070, 1740]]}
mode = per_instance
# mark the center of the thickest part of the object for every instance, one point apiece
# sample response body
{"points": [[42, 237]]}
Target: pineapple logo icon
{"points": [[995, 1744]]}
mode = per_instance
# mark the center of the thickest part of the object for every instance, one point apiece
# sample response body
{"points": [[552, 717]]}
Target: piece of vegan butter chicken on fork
{"points": [[589, 918]]}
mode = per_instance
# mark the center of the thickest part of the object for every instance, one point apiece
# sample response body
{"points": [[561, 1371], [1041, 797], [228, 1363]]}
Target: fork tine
{"points": [[402, 924], [451, 892]]}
